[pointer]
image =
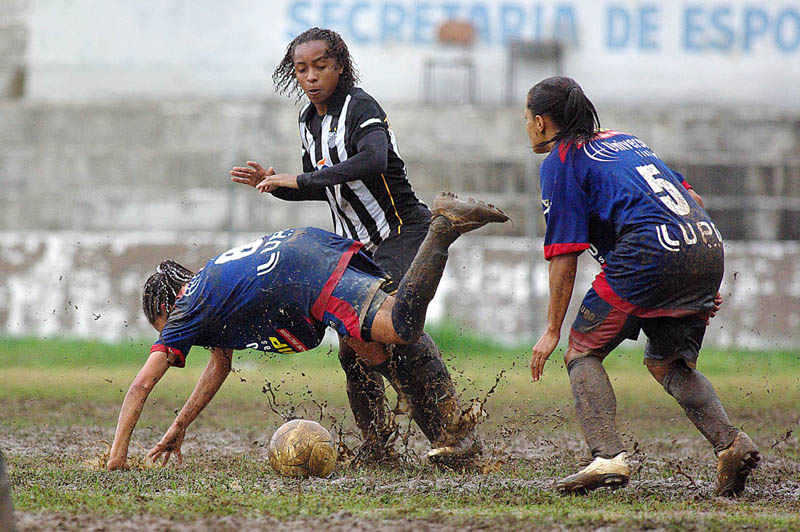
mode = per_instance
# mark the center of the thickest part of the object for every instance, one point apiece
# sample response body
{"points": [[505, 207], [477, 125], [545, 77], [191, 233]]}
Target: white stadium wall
{"points": [[89, 285], [736, 52]]}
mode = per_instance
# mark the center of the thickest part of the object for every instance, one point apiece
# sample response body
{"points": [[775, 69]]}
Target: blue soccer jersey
{"points": [[660, 253], [271, 294]]}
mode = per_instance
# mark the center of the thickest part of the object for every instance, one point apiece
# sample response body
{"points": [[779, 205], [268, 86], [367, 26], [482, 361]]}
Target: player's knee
{"points": [[406, 329], [573, 359], [671, 376]]}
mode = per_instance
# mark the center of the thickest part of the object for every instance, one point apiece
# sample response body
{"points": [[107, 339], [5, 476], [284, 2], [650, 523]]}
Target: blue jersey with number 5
{"points": [[660, 252], [260, 295]]}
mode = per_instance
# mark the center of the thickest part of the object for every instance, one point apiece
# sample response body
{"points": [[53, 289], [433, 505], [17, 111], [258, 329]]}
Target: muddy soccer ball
{"points": [[301, 448]]}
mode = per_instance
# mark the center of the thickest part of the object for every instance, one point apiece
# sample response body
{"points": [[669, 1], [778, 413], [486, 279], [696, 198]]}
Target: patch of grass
{"points": [[242, 486]]}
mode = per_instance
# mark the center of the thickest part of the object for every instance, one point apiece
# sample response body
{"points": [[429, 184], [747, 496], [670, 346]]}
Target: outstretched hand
{"points": [[252, 175], [169, 444], [541, 352]]}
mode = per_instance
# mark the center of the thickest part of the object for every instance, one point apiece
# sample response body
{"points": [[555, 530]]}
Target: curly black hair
{"points": [[284, 75]]}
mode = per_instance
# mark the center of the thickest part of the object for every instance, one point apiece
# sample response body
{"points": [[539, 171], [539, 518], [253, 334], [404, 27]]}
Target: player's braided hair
{"points": [[162, 288], [563, 100], [284, 76]]}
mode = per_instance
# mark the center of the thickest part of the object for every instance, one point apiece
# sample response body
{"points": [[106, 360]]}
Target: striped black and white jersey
{"points": [[368, 209]]}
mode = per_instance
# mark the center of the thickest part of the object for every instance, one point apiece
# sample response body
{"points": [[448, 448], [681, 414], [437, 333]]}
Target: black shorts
{"points": [[395, 254], [599, 328]]}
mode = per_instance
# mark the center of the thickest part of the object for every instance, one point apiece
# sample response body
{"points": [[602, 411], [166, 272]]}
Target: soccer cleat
{"points": [[601, 472], [459, 454], [466, 215], [734, 464]]}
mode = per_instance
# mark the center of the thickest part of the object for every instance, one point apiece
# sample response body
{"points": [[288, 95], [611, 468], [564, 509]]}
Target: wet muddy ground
{"points": [[673, 471]]}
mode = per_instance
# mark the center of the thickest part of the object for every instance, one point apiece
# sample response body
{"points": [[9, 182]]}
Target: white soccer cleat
{"points": [[602, 472]]}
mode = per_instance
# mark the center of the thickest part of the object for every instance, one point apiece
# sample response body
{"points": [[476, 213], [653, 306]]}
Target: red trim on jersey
{"points": [[562, 249], [604, 290], [319, 306], [292, 339], [563, 149], [686, 185], [345, 313], [171, 351]]}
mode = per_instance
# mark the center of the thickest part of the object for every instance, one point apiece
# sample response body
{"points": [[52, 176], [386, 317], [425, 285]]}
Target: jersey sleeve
{"points": [[566, 209], [182, 331], [367, 116], [682, 179]]}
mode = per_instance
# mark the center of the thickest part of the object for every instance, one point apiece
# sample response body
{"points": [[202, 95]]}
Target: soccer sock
{"points": [[365, 393], [702, 406], [421, 372], [419, 284], [596, 405]]}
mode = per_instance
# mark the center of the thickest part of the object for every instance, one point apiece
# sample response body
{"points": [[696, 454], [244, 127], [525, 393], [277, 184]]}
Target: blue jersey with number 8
{"points": [[261, 295], [660, 252]]}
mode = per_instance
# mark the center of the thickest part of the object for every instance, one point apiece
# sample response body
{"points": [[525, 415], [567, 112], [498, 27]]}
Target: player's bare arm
{"points": [[152, 371], [696, 197], [215, 373], [562, 280]]}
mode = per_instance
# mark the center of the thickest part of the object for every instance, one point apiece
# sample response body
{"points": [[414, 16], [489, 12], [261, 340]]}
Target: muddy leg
{"points": [[6, 509], [451, 218], [365, 392], [421, 372], [699, 400], [420, 282], [595, 405]]}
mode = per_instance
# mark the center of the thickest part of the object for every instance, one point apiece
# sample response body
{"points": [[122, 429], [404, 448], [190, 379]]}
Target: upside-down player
{"points": [[278, 293], [662, 264]]}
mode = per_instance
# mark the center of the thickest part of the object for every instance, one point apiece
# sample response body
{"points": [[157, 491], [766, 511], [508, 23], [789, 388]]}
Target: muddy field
{"points": [[675, 473], [54, 420]]}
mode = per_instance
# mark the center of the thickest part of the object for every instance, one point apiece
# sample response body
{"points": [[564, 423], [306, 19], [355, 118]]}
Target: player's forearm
{"points": [[294, 194], [562, 281], [128, 416], [370, 160], [207, 386]]}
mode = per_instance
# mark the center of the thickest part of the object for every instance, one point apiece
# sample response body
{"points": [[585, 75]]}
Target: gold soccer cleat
{"points": [[466, 215], [734, 464], [602, 472]]}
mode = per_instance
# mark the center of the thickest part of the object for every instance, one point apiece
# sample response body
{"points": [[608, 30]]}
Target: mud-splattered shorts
{"points": [[599, 328], [353, 304]]}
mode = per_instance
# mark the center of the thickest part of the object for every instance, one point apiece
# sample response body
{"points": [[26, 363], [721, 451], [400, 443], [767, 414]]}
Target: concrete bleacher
{"points": [[147, 165]]}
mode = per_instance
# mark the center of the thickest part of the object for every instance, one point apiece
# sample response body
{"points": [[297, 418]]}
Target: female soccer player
{"points": [[351, 160], [277, 294], [662, 264]]}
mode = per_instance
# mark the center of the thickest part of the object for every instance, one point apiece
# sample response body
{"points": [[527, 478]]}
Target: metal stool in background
{"points": [[456, 38], [533, 51]]}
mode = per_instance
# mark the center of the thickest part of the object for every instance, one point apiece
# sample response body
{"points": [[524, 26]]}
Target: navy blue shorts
{"points": [[353, 304], [599, 328]]}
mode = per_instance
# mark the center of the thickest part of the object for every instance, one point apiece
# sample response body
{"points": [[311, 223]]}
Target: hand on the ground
{"points": [[252, 174], [273, 181], [115, 463], [169, 444], [541, 352]]}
